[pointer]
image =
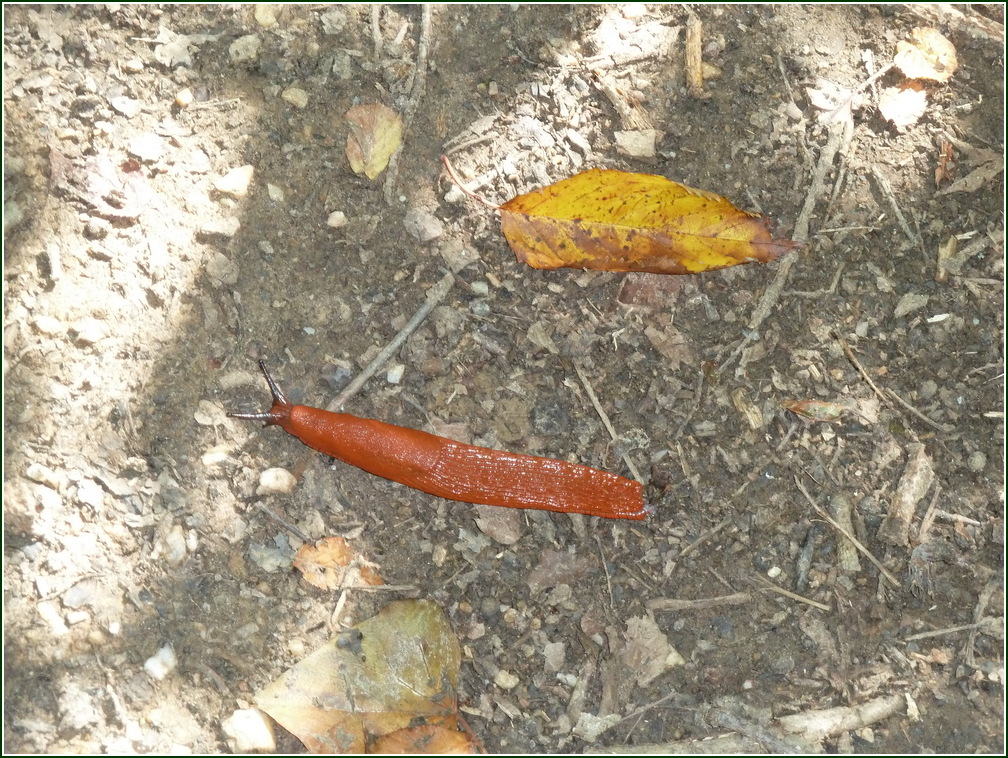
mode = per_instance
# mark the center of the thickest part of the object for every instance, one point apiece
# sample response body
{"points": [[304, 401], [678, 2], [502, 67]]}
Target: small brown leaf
{"points": [[331, 565], [815, 410], [928, 55], [375, 133]]}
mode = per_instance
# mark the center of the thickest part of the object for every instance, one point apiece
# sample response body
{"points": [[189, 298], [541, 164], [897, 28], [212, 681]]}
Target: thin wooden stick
{"points": [[461, 186], [434, 296], [605, 420], [854, 540]]}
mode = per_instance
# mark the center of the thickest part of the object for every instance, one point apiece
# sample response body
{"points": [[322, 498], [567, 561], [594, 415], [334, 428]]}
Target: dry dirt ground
{"points": [[140, 288]]}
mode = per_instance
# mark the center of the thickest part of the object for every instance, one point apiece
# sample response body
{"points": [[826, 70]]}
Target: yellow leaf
{"points": [[375, 133], [618, 221]]}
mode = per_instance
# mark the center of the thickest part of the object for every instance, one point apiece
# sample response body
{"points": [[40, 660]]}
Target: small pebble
{"points": [[90, 493], [245, 48], [276, 481], [184, 98], [147, 147], [222, 270], [162, 663], [422, 225], [127, 106], [506, 680], [296, 97], [266, 15], [637, 144], [223, 227], [43, 475], [395, 373], [276, 194], [175, 546], [89, 331], [333, 21], [249, 731], [235, 182], [976, 461], [336, 219]]}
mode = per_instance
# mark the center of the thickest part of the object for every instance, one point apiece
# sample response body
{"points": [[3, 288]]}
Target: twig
{"points": [[649, 706], [768, 585], [376, 35], [675, 604], [771, 295], [458, 183], [891, 197], [864, 551], [435, 295], [772, 741], [605, 567], [605, 421], [994, 584], [693, 58], [817, 725], [857, 364], [694, 408], [416, 92], [933, 424], [670, 567], [990, 621], [289, 527]]}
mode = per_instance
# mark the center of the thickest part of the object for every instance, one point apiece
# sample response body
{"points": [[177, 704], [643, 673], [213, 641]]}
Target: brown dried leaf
{"points": [[425, 740], [673, 345], [815, 410], [648, 653], [331, 565], [928, 55]]}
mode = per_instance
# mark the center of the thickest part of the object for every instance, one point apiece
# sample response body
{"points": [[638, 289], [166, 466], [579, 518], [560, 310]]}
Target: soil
{"points": [[139, 291]]}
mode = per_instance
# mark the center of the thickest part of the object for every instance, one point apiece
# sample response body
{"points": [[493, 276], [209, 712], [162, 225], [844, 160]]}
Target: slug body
{"points": [[454, 470]]}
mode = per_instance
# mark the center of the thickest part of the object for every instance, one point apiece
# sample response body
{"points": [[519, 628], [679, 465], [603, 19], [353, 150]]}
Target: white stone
{"points": [[276, 481], [162, 663]]}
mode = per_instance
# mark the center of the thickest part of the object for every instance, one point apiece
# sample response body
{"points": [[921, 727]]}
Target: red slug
{"points": [[451, 469]]}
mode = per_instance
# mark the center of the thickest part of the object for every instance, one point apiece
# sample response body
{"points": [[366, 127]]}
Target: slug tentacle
{"points": [[279, 414]]}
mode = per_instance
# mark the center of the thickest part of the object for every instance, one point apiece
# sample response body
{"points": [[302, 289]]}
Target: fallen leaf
{"points": [[673, 345], [425, 740], [815, 410], [647, 653], [396, 670], [330, 564], [903, 105], [946, 164], [375, 133], [928, 55], [619, 221], [558, 567]]}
